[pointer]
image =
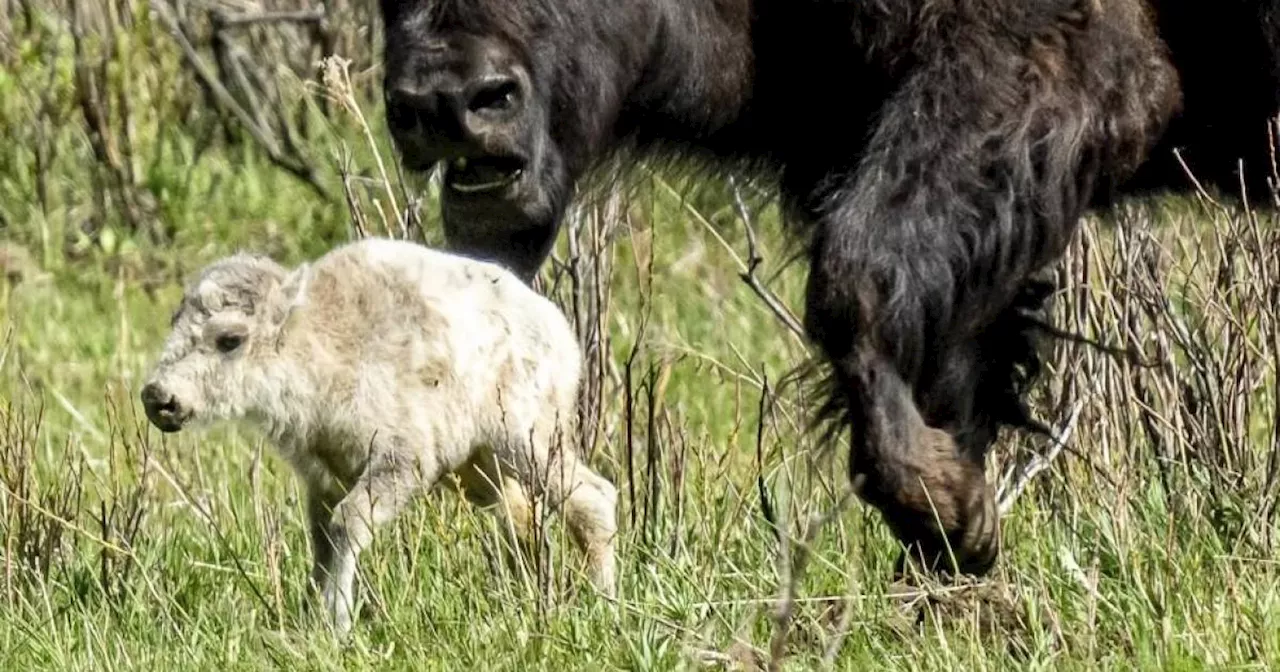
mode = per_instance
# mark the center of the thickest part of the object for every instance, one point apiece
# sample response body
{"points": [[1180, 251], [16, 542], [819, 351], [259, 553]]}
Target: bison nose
{"points": [[162, 407], [494, 96], [452, 117], [408, 106]]}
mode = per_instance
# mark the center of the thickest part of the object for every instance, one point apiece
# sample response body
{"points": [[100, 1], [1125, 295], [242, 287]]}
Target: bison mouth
{"points": [[483, 175]]}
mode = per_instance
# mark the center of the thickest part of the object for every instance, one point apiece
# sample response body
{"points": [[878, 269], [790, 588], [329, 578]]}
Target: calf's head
{"points": [[516, 98], [222, 333]]}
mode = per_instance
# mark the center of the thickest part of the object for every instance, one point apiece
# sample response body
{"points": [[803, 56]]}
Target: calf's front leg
{"points": [[319, 516], [393, 478]]}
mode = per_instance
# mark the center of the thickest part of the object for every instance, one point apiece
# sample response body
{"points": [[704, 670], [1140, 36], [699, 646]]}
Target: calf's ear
{"points": [[289, 295]]}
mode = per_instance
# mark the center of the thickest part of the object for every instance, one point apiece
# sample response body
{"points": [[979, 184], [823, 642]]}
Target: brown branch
{"points": [[1013, 487], [1135, 357], [228, 103], [766, 503], [753, 262], [793, 569], [46, 149], [112, 147], [358, 220], [236, 20]]}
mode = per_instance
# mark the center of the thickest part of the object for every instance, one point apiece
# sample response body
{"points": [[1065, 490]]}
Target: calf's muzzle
{"points": [[162, 407]]}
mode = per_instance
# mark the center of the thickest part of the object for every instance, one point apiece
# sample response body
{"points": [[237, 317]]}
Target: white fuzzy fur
{"points": [[381, 367]]}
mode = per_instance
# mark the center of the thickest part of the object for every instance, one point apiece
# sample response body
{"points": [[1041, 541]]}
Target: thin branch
{"points": [[358, 220], [753, 262], [793, 569], [337, 79], [1177, 154], [231, 20], [1134, 357], [766, 504], [1014, 486], [224, 99], [747, 270]]}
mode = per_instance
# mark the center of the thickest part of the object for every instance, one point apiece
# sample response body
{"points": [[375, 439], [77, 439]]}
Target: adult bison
{"points": [[933, 155]]}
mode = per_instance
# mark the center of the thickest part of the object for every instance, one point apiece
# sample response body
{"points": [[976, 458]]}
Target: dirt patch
{"points": [[1000, 612]]}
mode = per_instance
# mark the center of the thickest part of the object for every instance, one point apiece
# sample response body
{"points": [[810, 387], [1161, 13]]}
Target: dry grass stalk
{"points": [[1193, 300]]}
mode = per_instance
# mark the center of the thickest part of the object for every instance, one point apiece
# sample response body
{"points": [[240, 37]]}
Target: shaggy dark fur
{"points": [[934, 156]]}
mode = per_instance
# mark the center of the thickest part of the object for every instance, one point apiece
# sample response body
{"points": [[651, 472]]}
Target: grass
{"points": [[1148, 544]]}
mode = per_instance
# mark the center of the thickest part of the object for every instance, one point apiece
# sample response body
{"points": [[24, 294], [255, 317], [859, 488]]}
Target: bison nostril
{"points": [[403, 109], [493, 94]]}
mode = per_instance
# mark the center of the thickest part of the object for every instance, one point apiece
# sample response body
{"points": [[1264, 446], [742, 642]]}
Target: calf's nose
{"points": [[162, 407]]}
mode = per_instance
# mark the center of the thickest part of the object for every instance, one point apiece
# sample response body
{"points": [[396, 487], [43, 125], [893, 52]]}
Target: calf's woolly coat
{"points": [[377, 370]]}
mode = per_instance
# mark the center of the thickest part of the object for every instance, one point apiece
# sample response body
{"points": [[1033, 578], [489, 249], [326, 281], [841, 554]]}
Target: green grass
{"points": [[123, 548]]}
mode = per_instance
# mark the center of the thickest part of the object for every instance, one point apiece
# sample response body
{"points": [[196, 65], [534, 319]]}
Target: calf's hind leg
{"points": [[586, 501], [487, 486], [590, 514]]}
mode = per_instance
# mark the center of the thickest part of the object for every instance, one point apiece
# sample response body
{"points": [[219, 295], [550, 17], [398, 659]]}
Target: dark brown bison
{"points": [[933, 156]]}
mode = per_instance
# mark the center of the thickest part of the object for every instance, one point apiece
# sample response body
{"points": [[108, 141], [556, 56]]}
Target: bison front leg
{"points": [[918, 260], [933, 495], [389, 483], [935, 498], [881, 315]]}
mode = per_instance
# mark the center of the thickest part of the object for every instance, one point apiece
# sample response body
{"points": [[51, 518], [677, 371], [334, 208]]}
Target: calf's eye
{"points": [[228, 342]]}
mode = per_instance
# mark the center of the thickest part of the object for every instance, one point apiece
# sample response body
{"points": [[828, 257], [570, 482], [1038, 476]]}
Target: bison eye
{"points": [[228, 342]]}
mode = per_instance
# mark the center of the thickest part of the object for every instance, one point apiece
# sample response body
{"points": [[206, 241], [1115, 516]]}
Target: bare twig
{"points": [[1013, 486], [269, 143], [112, 147], [337, 82], [793, 568], [747, 270], [246, 19], [753, 262], [1135, 357], [358, 219], [840, 633], [766, 503]]}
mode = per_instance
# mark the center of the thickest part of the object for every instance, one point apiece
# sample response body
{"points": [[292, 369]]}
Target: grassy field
{"points": [[1148, 543]]}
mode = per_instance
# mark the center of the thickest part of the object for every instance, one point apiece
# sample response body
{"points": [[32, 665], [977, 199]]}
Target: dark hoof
{"points": [[948, 521], [969, 548]]}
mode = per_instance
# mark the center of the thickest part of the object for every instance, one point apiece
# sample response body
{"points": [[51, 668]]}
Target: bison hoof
{"points": [[969, 545], [941, 508]]}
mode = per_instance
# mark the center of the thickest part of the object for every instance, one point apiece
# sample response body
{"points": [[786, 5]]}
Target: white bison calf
{"points": [[377, 370]]}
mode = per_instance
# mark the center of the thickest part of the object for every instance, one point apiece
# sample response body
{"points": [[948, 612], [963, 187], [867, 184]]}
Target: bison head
{"points": [[514, 97], [223, 336]]}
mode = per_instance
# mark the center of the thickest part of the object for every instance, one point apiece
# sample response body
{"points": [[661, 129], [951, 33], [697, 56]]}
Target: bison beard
{"points": [[971, 137]]}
